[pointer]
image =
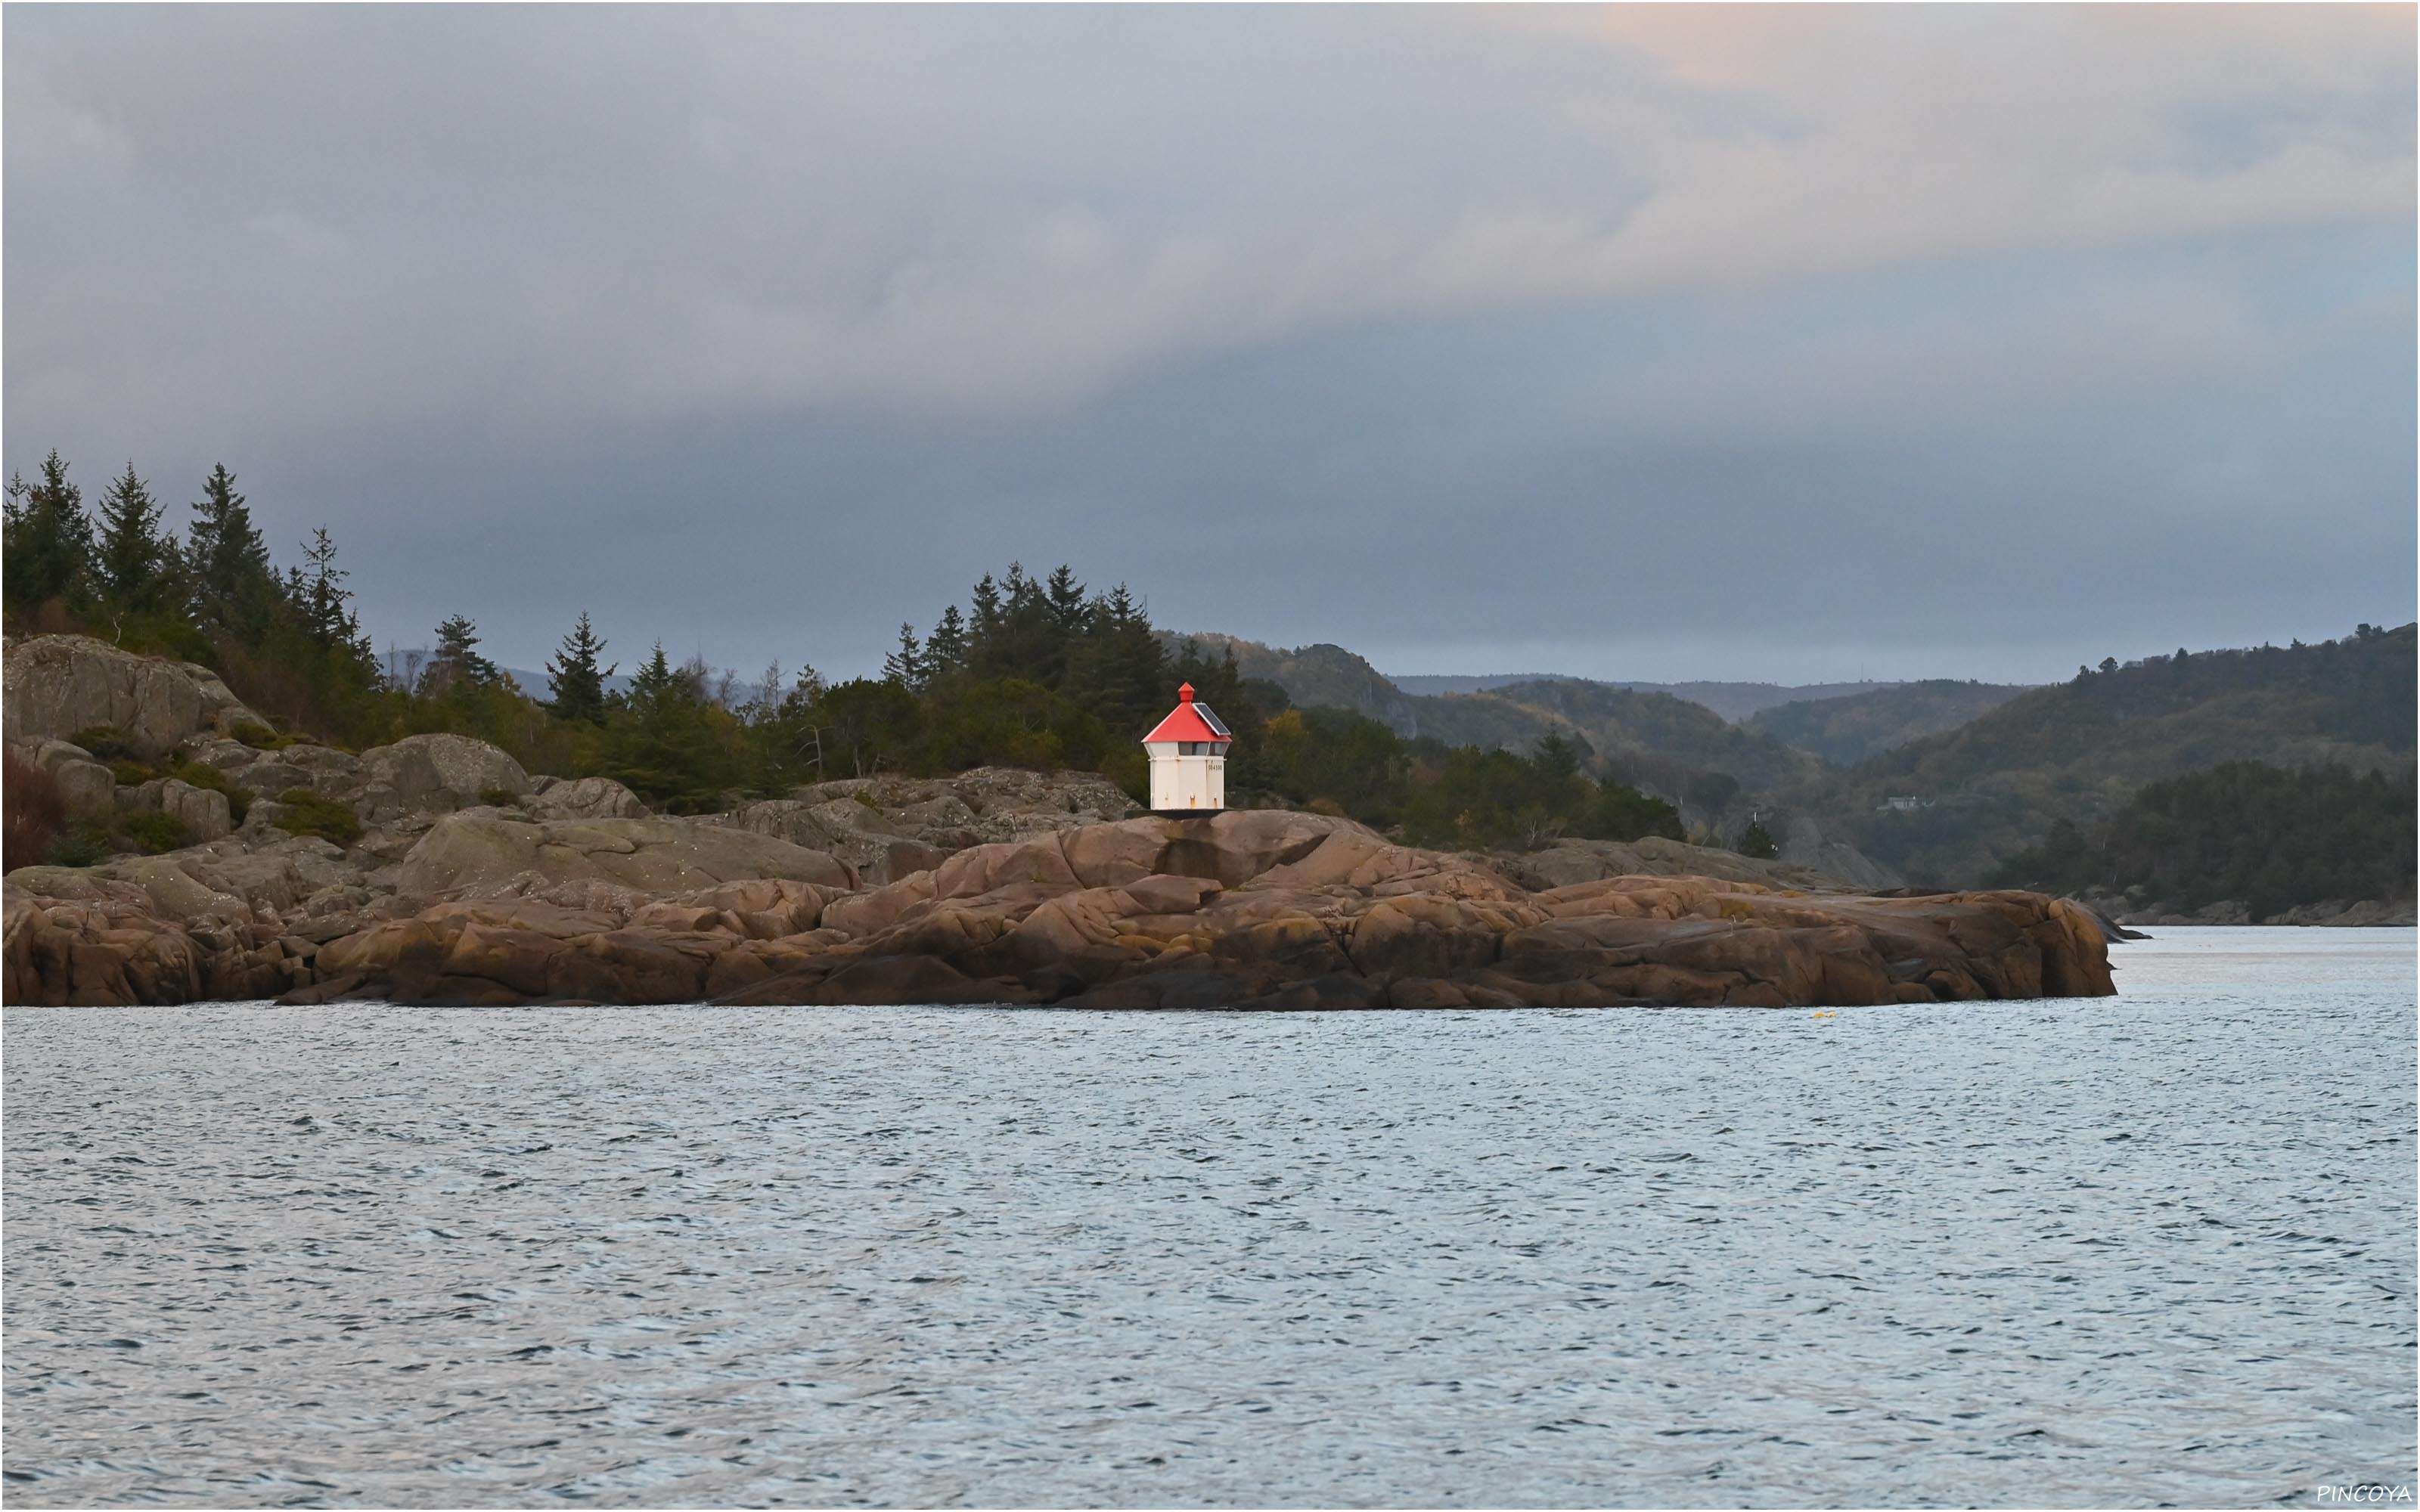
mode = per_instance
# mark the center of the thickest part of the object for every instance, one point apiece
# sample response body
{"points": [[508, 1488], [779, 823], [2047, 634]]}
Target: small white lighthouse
{"points": [[1189, 759]]}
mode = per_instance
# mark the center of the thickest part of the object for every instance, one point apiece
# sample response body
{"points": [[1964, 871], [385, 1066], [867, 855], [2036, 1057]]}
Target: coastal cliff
{"points": [[1258, 910]]}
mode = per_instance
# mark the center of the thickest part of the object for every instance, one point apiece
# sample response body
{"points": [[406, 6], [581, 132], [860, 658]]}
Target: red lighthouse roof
{"points": [[1191, 722]]}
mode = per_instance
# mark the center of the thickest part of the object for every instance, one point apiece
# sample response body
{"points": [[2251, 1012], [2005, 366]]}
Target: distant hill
{"points": [[1637, 730], [1732, 701], [1322, 676], [1974, 797], [1847, 728], [1668, 744]]}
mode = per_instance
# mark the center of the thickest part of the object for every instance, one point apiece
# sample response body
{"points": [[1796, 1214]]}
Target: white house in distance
{"points": [[1189, 759]]}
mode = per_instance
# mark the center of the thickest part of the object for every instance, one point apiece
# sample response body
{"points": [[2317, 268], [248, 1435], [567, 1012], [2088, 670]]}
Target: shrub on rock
{"points": [[155, 830], [306, 813], [36, 815]]}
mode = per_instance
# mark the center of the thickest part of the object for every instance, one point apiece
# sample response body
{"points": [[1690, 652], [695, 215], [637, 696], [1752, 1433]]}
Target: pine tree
{"points": [[457, 663], [574, 678], [906, 667], [234, 587], [136, 569], [48, 543]]}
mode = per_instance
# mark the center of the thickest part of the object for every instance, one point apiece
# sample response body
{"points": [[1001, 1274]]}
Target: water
{"points": [[2155, 1248]]}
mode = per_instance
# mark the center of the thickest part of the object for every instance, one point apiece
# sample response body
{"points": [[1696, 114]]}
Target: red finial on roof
{"points": [[1184, 694]]}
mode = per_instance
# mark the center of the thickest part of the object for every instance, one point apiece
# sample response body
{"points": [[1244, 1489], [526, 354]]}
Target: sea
{"points": [[2151, 1249]]}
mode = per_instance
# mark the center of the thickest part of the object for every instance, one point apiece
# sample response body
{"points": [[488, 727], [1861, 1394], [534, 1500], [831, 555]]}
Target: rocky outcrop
{"points": [[1569, 862], [485, 851], [422, 774], [1267, 910], [475, 883], [1804, 845], [586, 797], [600, 948], [84, 782], [160, 930], [868, 841], [59, 685], [888, 827], [1285, 910]]}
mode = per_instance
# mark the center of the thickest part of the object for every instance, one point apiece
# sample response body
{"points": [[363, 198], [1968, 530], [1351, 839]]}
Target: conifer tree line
{"points": [[1040, 673]]}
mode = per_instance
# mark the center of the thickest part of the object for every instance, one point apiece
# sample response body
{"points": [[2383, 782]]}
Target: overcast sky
{"points": [[1643, 343]]}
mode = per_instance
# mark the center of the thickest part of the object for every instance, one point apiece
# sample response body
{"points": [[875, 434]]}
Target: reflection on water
{"points": [[2152, 1248]]}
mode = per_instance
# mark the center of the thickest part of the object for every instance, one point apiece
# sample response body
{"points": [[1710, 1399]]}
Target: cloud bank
{"points": [[1476, 333]]}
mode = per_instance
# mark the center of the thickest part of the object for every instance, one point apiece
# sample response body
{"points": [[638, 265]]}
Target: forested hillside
{"points": [[1671, 744], [1848, 730], [2077, 752], [1647, 733], [2243, 831]]}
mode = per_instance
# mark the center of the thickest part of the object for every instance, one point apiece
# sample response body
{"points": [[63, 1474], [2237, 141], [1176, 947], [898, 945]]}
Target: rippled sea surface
{"points": [[2154, 1248]]}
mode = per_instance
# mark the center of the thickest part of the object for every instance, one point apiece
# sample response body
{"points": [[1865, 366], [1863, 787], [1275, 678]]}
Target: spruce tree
{"points": [[1556, 758], [48, 543], [984, 628], [945, 650], [457, 663], [1067, 597], [136, 568], [574, 678], [322, 602], [234, 587], [657, 682], [905, 666], [1122, 668], [666, 744]]}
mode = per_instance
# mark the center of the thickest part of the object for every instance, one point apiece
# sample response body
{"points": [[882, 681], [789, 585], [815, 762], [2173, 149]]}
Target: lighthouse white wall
{"points": [[1180, 781]]}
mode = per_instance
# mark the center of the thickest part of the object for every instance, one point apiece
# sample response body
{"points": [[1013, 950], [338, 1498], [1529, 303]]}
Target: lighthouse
{"points": [[1189, 759]]}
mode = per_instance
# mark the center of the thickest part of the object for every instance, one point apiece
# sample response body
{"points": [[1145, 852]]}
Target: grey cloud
{"points": [[773, 319]]}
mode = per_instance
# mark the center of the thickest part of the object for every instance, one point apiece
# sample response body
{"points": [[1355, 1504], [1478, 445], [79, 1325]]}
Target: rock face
{"points": [[424, 773], [204, 812], [483, 852], [84, 782], [1262, 910], [1568, 862], [1804, 844], [196, 927], [889, 827], [586, 797], [58, 684]]}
